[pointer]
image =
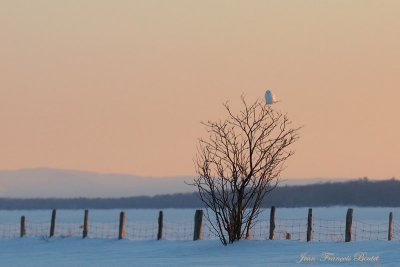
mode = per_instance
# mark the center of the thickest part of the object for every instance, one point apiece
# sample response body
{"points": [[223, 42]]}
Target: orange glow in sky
{"points": [[121, 86]]}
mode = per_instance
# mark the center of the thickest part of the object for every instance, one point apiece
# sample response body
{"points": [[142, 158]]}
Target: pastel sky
{"points": [[121, 86]]}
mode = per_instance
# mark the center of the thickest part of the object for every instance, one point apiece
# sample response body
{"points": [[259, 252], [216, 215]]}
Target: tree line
{"points": [[362, 192]]}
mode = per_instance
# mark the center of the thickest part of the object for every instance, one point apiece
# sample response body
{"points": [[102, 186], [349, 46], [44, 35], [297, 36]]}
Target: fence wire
{"points": [[209, 232], [136, 230], [294, 229], [68, 229], [328, 230], [178, 230], [9, 230], [396, 231], [260, 230], [103, 229], [369, 231], [37, 229]]}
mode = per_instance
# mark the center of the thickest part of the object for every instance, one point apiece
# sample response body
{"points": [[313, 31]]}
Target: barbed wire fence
{"points": [[320, 230]]}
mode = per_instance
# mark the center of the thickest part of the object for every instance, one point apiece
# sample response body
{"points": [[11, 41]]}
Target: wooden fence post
{"points": [[160, 225], [272, 223], [85, 224], [121, 232], [53, 222], [23, 229], [309, 225], [390, 231], [349, 222], [198, 224]]}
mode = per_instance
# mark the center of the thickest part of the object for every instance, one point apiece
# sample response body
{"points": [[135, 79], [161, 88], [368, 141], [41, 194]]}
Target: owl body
{"points": [[269, 98]]}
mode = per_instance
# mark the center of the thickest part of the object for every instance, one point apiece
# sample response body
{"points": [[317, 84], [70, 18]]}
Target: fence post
{"points": [[121, 232], [53, 222], [390, 231], [198, 221], [309, 225], [23, 229], [349, 222], [85, 224], [160, 225], [272, 223]]}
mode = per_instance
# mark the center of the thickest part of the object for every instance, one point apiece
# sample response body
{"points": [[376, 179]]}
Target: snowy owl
{"points": [[270, 98]]}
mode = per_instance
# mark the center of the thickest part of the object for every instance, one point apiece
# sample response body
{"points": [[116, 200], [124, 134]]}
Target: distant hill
{"points": [[45, 183], [355, 193], [57, 183]]}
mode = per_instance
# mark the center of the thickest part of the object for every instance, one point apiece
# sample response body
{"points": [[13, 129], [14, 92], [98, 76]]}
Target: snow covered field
{"points": [[74, 251], [107, 252]]}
